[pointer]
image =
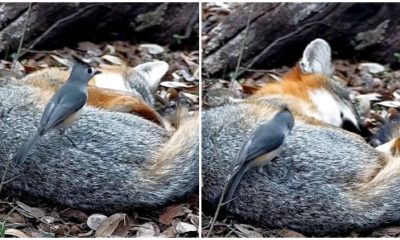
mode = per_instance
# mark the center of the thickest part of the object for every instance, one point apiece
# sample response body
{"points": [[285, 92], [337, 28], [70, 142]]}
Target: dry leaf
{"points": [[152, 48], [246, 232], [286, 233], [372, 67], [183, 227], [86, 234], [171, 84], [169, 233], [75, 214], [15, 233], [95, 220], [109, 225], [394, 104], [114, 60], [60, 60], [146, 230], [171, 213], [30, 211], [123, 227]]}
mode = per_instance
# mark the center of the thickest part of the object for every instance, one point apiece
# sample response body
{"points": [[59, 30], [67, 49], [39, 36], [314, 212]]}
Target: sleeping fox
{"points": [[327, 179], [122, 160]]}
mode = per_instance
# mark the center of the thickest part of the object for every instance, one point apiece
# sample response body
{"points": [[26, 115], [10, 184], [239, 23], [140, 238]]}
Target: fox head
{"points": [[329, 96], [312, 81]]}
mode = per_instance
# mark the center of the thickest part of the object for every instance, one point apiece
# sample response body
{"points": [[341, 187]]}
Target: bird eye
{"points": [[90, 71]]}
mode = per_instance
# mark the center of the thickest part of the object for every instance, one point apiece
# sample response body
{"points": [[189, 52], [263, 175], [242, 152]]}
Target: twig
{"points": [[220, 204], [3, 178], [21, 41], [243, 43], [41, 51], [277, 41], [52, 27]]}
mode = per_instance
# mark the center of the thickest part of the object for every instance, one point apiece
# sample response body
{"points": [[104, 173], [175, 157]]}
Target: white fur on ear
{"points": [[317, 58], [152, 72]]}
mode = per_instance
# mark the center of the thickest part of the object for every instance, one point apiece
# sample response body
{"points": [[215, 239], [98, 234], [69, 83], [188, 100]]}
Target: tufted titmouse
{"points": [[63, 108], [265, 144]]}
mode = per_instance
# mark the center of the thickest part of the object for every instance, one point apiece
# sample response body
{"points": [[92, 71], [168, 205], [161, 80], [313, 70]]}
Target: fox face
{"points": [[331, 99], [319, 95]]}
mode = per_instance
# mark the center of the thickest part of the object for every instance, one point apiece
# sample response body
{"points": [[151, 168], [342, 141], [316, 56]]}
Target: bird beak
{"points": [[97, 72]]}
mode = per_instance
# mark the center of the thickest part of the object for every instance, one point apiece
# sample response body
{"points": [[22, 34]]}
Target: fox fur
{"points": [[327, 180], [121, 161]]}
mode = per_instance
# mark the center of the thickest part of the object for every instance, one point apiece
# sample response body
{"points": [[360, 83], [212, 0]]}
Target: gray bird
{"points": [[63, 108], [264, 144]]}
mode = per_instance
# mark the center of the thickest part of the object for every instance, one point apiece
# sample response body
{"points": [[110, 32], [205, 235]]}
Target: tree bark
{"points": [[278, 33], [54, 25]]}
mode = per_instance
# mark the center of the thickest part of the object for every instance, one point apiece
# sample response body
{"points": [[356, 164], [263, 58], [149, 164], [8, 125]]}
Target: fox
{"points": [[120, 160], [327, 180], [116, 88]]}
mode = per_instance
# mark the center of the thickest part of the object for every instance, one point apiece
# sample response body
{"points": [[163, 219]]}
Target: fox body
{"points": [[122, 160], [327, 180]]}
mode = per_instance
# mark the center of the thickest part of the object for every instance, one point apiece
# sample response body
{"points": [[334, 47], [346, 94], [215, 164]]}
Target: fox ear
{"points": [[152, 72], [317, 58]]}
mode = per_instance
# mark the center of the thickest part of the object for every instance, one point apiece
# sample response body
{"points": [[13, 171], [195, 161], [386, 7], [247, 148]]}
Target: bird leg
{"points": [[62, 132]]}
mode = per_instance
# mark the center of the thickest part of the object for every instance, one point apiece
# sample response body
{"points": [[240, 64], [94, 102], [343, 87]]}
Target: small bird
{"points": [[265, 144], [63, 108]]}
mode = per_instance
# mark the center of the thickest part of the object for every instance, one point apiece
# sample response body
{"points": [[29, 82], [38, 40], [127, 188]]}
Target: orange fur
{"points": [[294, 83]]}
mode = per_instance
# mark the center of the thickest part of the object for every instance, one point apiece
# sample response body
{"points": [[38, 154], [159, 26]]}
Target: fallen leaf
{"points": [[169, 233], [247, 233], [372, 67], [183, 227], [95, 220], [28, 211], [394, 104], [86, 234], [152, 48], [146, 230], [171, 213], [123, 227], [109, 225], [172, 84], [15, 233], [114, 60], [62, 61], [76, 215], [286, 233]]}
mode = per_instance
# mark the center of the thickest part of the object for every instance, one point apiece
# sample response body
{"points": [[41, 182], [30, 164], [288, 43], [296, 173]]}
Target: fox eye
{"points": [[89, 70]]}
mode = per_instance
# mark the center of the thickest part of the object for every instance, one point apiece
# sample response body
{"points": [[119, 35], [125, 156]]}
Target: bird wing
{"points": [[266, 138], [60, 107]]}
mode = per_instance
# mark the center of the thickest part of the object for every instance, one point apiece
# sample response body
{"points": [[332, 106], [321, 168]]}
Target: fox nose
{"points": [[360, 129]]}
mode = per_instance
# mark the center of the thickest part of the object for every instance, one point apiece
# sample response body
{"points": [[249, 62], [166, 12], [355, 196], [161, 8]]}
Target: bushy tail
{"points": [[174, 168], [22, 153]]}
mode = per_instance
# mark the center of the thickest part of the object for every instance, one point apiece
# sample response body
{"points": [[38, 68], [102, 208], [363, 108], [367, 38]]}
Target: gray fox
{"points": [[327, 180], [121, 160]]}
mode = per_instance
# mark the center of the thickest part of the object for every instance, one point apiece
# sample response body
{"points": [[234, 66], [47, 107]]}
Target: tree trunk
{"points": [[54, 25], [278, 33]]}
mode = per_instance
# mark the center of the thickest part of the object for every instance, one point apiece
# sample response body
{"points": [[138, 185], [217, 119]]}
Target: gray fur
{"points": [[311, 187], [107, 171]]}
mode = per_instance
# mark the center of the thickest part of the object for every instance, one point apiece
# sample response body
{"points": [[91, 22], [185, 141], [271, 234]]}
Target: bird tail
{"points": [[22, 153], [233, 183]]}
